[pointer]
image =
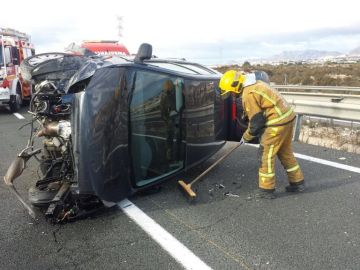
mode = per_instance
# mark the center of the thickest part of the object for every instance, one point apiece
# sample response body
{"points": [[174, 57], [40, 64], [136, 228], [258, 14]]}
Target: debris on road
{"points": [[228, 194]]}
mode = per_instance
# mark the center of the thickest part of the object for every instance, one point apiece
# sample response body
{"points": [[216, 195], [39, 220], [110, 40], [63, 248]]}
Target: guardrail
{"points": [[333, 102], [321, 89], [337, 105]]}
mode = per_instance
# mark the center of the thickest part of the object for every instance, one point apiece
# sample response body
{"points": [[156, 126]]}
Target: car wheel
{"points": [[19, 94]]}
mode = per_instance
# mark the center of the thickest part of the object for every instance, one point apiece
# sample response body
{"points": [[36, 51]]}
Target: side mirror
{"points": [[144, 52]]}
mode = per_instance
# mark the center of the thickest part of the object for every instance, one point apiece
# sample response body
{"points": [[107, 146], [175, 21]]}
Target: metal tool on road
{"points": [[15, 170], [187, 188]]}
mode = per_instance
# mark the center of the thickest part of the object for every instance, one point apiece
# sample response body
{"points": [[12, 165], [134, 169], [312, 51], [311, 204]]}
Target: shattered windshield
{"points": [[86, 71]]}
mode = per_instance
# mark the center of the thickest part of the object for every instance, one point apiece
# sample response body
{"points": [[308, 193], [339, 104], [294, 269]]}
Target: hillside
{"points": [[307, 74]]}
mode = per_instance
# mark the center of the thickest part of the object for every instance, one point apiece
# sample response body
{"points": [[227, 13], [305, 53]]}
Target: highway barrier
{"points": [[333, 102]]}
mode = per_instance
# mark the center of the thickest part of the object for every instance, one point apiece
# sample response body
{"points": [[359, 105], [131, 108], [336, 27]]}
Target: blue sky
{"points": [[209, 32]]}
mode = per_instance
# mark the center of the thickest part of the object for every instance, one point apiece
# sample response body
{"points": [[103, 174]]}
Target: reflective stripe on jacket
{"points": [[264, 107]]}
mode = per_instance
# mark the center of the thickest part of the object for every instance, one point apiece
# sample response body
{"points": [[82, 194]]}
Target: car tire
{"points": [[19, 94], [26, 102]]}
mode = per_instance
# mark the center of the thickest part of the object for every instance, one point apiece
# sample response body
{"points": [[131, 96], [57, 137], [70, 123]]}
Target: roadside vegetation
{"points": [[328, 74]]}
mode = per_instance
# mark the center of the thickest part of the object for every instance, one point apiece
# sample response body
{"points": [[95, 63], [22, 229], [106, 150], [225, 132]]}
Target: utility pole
{"points": [[120, 26]]}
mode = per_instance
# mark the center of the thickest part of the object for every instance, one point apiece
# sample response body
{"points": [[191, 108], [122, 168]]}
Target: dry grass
{"points": [[307, 74]]}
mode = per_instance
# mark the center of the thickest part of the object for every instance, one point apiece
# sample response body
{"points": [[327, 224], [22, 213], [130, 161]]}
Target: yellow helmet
{"points": [[232, 80]]}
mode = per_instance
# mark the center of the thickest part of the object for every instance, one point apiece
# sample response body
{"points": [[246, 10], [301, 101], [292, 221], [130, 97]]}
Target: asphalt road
{"points": [[318, 229]]}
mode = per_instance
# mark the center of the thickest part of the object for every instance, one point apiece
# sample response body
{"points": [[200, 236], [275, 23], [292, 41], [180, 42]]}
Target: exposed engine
{"points": [[56, 190], [56, 162]]}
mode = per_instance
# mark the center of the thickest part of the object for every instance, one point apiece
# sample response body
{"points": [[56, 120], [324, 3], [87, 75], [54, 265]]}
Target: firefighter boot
{"points": [[295, 187], [265, 194]]}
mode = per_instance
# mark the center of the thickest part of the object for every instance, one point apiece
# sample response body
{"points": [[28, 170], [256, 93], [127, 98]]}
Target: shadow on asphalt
{"points": [[4, 110]]}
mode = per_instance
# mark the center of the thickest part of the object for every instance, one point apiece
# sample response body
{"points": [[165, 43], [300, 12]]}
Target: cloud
{"points": [[342, 39], [49, 35], [318, 33], [204, 31]]}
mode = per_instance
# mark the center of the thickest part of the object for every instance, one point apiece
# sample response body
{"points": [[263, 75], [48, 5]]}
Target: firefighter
{"points": [[271, 119]]}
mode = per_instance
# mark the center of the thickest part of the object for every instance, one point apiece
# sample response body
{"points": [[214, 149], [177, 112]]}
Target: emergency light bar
{"points": [[13, 33], [100, 41]]}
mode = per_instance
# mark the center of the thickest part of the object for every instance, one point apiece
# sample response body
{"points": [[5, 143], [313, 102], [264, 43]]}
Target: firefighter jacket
{"points": [[167, 104], [264, 107]]}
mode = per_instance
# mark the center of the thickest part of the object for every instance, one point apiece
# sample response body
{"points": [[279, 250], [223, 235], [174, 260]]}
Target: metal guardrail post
{"points": [[297, 127]]}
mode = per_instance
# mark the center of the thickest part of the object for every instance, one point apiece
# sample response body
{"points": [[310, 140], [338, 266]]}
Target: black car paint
{"points": [[101, 128]]}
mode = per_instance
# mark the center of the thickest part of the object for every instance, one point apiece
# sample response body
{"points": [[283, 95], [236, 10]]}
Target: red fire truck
{"points": [[15, 47], [106, 47], [101, 47]]}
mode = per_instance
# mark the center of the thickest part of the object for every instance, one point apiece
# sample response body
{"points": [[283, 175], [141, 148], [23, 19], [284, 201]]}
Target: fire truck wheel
{"points": [[19, 94], [15, 103]]}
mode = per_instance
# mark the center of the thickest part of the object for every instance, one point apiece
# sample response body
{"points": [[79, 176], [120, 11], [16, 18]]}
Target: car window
{"points": [[7, 56], [1, 57], [157, 144]]}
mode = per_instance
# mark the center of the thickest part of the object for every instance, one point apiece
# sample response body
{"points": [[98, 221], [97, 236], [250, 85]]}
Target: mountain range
{"points": [[355, 51], [311, 54]]}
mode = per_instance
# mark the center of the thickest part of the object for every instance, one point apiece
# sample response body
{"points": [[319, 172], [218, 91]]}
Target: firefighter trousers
{"points": [[276, 141]]}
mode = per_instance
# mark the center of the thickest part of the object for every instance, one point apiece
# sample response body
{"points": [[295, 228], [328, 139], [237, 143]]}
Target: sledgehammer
{"points": [[187, 187]]}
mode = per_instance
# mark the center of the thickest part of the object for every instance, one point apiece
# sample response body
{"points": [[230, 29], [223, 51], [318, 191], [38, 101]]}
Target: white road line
{"points": [[169, 243], [18, 115], [328, 163], [322, 161]]}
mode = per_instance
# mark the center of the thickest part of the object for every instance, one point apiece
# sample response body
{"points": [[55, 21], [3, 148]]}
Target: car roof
{"points": [[176, 66]]}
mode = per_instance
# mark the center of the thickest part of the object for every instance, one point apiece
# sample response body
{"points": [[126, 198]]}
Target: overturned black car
{"points": [[114, 126]]}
